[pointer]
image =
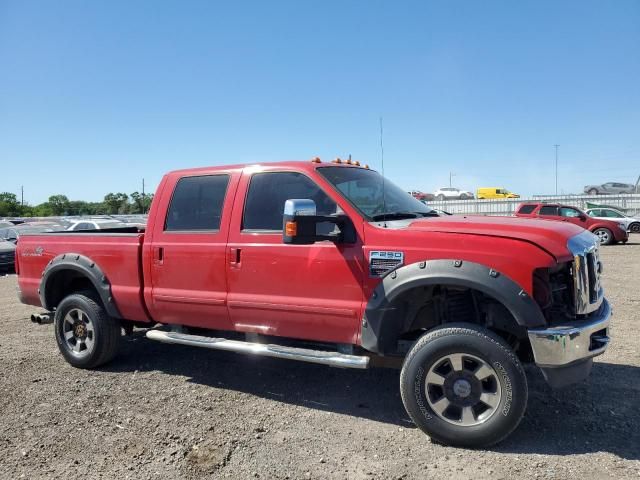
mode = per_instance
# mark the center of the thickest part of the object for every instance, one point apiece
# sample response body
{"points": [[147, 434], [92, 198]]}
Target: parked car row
{"points": [[452, 193], [608, 230]]}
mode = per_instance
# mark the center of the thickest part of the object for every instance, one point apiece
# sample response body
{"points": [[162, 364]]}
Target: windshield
{"points": [[363, 189]]}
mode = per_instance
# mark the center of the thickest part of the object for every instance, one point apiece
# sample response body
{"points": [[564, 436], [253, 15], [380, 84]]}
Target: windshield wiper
{"points": [[402, 215]]}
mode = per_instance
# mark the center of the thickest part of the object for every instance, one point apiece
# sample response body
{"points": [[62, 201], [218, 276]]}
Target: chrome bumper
{"points": [[572, 342]]}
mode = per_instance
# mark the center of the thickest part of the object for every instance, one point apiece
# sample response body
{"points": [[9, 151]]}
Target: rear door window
{"points": [[527, 209], [197, 204], [549, 210]]}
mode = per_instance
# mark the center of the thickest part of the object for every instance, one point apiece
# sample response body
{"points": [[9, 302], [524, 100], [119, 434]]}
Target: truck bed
{"points": [[117, 253]]}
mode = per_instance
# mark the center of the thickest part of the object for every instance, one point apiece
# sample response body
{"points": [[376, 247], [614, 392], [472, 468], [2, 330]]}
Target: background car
{"points": [[607, 231], [7, 256], [610, 188], [494, 192], [418, 195], [12, 234], [452, 193], [96, 224], [632, 223]]}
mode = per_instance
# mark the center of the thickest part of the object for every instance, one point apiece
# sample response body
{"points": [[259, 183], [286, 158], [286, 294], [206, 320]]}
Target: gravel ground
{"points": [[161, 411]]}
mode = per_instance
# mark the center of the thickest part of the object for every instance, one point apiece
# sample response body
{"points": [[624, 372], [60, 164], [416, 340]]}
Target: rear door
{"points": [[188, 251]]}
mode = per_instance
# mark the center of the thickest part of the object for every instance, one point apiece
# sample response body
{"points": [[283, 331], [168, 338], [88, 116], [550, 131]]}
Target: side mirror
{"points": [[300, 221], [582, 217]]}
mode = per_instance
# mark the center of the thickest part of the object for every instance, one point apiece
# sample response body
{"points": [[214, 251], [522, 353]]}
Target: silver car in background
{"points": [[610, 188]]}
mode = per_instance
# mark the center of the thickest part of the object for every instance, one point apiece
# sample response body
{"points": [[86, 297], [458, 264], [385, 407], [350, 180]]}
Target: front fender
{"points": [[381, 326]]}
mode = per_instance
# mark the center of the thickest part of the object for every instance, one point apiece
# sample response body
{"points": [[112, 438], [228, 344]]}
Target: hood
{"points": [[550, 235]]}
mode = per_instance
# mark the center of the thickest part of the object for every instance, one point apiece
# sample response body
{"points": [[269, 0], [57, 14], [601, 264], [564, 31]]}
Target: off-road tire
{"points": [[471, 340], [106, 330]]}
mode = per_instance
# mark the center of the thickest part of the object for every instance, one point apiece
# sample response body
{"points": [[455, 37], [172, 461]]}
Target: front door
{"points": [[188, 249], [300, 291]]}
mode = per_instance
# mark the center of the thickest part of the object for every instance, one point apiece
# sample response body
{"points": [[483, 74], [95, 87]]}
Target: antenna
{"points": [[384, 198]]}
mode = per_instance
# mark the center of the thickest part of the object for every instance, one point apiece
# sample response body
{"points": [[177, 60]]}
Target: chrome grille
{"points": [[587, 291]]}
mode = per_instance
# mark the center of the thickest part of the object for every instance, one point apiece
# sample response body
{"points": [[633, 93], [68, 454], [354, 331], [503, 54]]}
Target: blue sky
{"points": [[94, 96]]}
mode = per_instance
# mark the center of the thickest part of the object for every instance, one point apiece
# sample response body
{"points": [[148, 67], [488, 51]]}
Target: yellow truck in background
{"points": [[495, 192]]}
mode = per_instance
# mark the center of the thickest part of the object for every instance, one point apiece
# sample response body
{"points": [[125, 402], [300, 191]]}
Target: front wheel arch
{"points": [[384, 321]]}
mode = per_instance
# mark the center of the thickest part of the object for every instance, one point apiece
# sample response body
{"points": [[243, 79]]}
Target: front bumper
{"points": [[565, 352]]}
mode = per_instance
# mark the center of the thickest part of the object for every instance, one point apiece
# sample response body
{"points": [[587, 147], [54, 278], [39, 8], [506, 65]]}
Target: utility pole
{"points": [[451, 174], [22, 195], [142, 187], [556, 168]]}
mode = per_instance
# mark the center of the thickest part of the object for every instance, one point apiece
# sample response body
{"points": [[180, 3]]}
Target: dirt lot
{"points": [[164, 411]]}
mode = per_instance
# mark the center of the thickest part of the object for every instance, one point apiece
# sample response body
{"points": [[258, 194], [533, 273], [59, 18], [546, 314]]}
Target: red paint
{"points": [[253, 282]]}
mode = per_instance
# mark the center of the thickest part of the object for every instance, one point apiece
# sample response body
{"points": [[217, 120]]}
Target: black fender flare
{"points": [[88, 269], [380, 326]]}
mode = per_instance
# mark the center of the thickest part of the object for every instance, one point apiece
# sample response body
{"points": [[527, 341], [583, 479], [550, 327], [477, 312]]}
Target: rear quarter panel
{"points": [[117, 254]]}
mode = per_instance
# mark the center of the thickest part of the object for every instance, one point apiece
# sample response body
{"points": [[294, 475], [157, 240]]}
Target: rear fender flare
{"points": [[85, 267], [381, 326]]}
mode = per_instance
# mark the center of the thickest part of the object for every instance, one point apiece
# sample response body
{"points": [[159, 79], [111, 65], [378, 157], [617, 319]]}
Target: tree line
{"points": [[58, 205]]}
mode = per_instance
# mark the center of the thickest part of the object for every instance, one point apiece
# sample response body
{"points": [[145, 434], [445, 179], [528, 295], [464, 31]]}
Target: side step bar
{"points": [[334, 359]]}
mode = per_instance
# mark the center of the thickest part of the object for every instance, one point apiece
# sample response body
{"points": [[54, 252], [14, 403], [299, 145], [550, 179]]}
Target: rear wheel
{"points": [[463, 386], [604, 235], [86, 335], [440, 197], [634, 227], [593, 191]]}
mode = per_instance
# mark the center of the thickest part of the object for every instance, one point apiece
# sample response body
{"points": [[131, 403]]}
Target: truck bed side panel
{"points": [[117, 254]]}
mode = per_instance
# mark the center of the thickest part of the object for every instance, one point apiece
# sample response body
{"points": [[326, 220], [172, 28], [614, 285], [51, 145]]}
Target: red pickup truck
{"points": [[319, 262]]}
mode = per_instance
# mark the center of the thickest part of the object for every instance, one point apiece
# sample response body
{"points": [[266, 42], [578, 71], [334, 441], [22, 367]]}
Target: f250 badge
{"points": [[37, 252]]}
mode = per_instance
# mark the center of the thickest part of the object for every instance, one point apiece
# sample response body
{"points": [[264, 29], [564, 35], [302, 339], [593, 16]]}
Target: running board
{"points": [[334, 359]]}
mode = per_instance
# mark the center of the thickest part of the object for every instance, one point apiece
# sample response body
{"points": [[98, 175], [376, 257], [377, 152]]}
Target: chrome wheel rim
{"points": [[603, 235], [463, 389], [78, 333]]}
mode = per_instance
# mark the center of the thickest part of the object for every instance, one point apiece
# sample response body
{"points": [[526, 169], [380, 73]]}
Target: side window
{"points": [[527, 209], [569, 212], [594, 213], [197, 203], [613, 214], [549, 210], [84, 226], [268, 192]]}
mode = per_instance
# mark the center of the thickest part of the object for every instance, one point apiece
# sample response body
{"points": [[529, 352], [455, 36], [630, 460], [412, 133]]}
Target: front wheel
{"points": [[440, 197], [604, 235], [634, 227], [463, 386], [87, 336], [593, 191]]}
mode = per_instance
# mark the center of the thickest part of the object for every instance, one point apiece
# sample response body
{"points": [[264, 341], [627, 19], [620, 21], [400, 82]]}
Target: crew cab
{"points": [[607, 231], [328, 262]]}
